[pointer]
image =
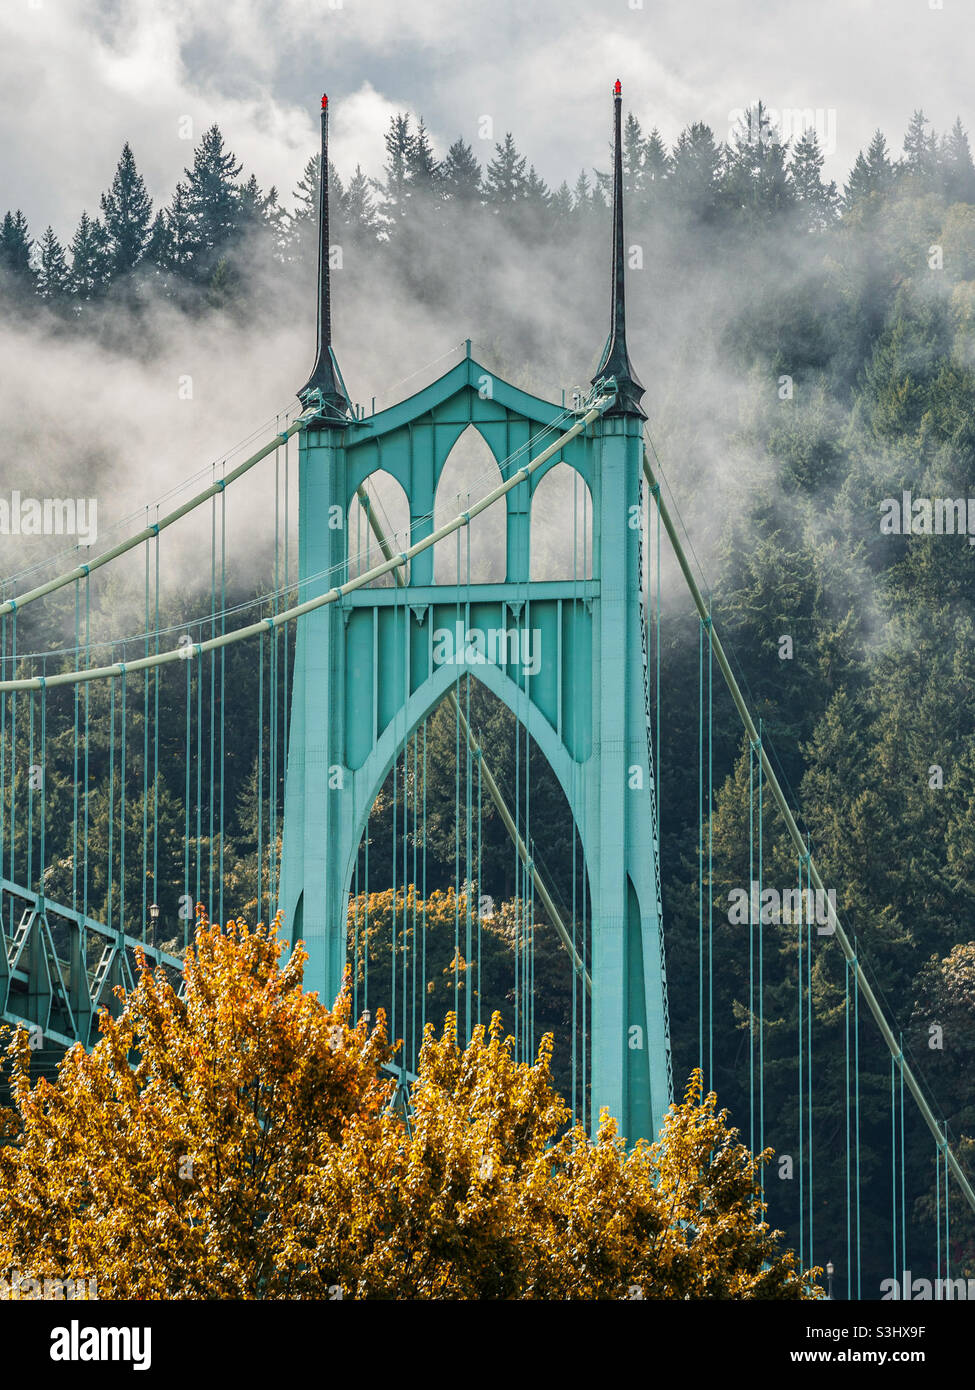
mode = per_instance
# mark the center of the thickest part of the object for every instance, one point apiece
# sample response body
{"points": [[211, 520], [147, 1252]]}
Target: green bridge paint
{"points": [[367, 670]]}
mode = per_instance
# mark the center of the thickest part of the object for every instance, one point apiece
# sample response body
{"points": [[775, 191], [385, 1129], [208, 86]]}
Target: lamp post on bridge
{"points": [[153, 919]]}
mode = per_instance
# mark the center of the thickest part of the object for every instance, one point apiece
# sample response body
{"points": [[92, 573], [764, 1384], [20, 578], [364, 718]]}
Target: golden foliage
{"points": [[238, 1143], [165, 1161]]}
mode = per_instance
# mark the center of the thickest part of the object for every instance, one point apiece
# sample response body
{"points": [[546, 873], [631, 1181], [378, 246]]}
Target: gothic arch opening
{"points": [[474, 554], [561, 526], [388, 502], [443, 912]]}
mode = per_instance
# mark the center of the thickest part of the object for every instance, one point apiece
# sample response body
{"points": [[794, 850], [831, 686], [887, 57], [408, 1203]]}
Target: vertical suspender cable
{"points": [[145, 756], [405, 629], [213, 697], [457, 801], [187, 914], [700, 844], [187, 902], [121, 834], [800, 1017], [43, 865], [710, 850], [751, 947], [423, 929], [893, 1167], [846, 1040], [199, 778], [393, 912], [903, 1167], [947, 1220], [856, 1087], [155, 742], [468, 792], [809, 1043], [761, 963], [275, 647], [3, 755], [3, 758], [76, 693], [13, 759], [260, 778], [223, 697], [480, 891], [84, 905], [937, 1216], [416, 888], [111, 803], [30, 790]]}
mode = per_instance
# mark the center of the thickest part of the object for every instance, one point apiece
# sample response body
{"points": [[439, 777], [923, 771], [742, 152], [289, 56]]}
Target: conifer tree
{"points": [[532, 215], [305, 194], [395, 186], [958, 168], [258, 210], [422, 166], [91, 266], [505, 181], [817, 201], [157, 245], [179, 225], [302, 235], [213, 198], [461, 173], [920, 151], [634, 156], [583, 197], [858, 186], [755, 176], [561, 205], [359, 207], [52, 274], [536, 190], [126, 215], [695, 170], [16, 247], [871, 173], [298, 234], [657, 162]]}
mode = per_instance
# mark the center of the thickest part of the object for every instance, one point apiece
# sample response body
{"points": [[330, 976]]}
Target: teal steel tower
{"points": [[366, 669]]}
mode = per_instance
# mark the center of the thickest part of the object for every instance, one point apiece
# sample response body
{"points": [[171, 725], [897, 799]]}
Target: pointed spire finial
{"points": [[325, 387], [616, 360]]}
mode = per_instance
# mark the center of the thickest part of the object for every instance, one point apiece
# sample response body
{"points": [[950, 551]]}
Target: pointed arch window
{"points": [[561, 526], [388, 502], [476, 553]]}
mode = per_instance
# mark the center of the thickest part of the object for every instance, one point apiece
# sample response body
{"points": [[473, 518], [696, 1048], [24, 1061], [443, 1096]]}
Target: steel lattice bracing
{"points": [[59, 967]]}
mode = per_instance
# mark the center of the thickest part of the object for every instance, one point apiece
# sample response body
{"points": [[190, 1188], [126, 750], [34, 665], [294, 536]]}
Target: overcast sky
{"points": [[78, 77]]}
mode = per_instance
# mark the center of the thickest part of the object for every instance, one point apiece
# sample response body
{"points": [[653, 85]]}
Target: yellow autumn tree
{"points": [[239, 1142], [481, 1199], [164, 1162]]}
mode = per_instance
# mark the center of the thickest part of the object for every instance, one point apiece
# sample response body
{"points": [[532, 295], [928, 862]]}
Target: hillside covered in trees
{"points": [[809, 353]]}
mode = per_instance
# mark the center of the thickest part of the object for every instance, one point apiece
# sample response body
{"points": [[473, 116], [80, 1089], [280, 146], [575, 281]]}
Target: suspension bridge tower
{"points": [[366, 672]]}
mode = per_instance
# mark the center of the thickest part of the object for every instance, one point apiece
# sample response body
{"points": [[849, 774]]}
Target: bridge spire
{"points": [[325, 387], [616, 360]]}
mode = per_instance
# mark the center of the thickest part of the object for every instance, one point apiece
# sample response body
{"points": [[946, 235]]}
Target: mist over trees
{"points": [[216, 221], [809, 351]]}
